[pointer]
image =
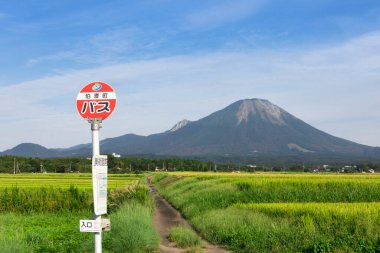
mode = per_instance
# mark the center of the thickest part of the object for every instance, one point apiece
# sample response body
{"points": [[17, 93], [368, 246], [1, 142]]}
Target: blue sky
{"points": [[175, 59]]}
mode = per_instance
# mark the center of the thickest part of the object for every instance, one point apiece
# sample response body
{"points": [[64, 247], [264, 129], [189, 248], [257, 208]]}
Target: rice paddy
{"points": [[275, 212], [59, 180]]}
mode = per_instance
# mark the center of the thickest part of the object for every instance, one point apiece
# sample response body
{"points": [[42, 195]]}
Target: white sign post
{"points": [[95, 102]]}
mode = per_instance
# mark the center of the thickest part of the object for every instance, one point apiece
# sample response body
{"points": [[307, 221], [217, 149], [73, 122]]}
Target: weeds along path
{"points": [[165, 218]]}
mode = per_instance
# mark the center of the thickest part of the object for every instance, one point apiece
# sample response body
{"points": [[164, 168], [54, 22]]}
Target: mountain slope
{"points": [[245, 128], [31, 150], [251, 126]]}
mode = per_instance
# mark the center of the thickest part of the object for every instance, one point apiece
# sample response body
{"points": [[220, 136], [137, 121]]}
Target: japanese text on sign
{"points": [[96, 95], [91, 105], [100, 160]]}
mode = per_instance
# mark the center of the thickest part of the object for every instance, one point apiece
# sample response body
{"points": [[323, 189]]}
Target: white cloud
{"points": [[334, 88]]}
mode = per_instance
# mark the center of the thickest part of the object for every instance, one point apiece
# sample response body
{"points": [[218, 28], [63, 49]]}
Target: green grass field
{"points": [[41, 213], [280, 212], [259, 212]]}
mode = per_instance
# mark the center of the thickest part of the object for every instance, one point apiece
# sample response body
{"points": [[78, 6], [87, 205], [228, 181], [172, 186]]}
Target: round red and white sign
{"points": [[96, 100]]}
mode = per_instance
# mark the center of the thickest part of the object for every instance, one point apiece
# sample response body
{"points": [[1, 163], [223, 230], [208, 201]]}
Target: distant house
{"points": [[349, 168], [159, 169], [116, 155]]}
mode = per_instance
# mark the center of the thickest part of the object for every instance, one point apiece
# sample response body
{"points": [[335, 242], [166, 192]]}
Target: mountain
{"points": [[31, 150], [250, 127], [244, 128]]}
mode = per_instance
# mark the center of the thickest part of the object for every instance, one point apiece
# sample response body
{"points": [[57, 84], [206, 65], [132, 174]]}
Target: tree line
{"points": [[14, 164]]}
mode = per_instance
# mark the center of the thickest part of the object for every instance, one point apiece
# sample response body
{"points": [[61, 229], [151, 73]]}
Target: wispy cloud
{"points": [[220, 13], [107, 47], [334, 88]]}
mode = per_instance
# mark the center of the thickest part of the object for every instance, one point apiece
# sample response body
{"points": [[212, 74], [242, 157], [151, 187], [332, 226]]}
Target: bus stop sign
{"points": [[96, 100]]}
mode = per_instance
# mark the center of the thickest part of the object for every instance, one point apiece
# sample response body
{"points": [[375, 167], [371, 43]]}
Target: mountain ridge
{"points": [[244, 128]]}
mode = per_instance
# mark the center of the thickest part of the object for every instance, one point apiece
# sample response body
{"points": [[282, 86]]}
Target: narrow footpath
{"points": [[165, 218]]}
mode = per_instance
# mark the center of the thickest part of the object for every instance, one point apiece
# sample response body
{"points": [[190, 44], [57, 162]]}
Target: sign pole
{"points": [[95, 127], [95, 102]]}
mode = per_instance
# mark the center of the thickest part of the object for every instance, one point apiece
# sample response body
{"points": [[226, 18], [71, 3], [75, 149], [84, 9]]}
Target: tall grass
{"points": [[132, 230], [43, 233], [194, 195], [280, 212], [44, 200], [294, 227], [184, 237], [47, 220], [55, 199]]}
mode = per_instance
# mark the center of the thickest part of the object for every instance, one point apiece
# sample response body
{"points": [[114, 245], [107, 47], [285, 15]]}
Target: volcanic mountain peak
{"points": [[265, 109]]}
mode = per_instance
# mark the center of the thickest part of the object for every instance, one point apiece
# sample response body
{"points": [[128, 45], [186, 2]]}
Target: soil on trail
{"points": [[165, 218]]}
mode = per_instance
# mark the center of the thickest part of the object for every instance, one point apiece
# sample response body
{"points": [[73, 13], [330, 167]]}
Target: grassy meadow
{"points": [[41, 213], [280, 212], [245, 212]]}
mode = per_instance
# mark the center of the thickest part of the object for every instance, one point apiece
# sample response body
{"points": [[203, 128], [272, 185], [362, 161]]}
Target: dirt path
{"points": [[166, 217]]}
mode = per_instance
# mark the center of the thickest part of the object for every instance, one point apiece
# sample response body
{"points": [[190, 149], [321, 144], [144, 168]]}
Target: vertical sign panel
{"points": [[99, 181]]}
